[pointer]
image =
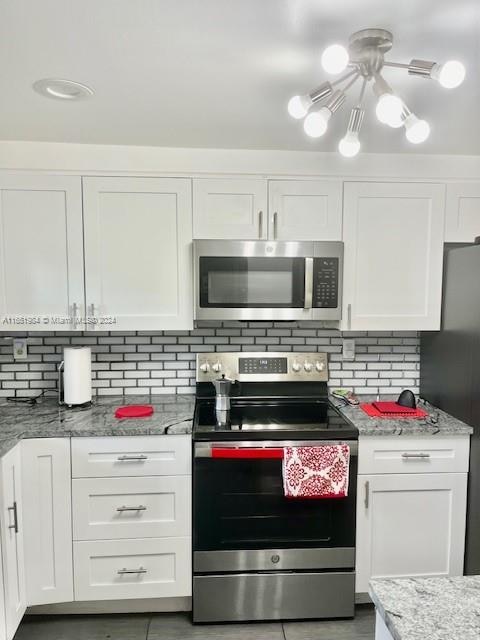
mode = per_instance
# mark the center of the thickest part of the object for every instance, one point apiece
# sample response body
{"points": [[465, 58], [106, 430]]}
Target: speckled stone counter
{"points": [[437, 423], [173, 414], [429, 608]]}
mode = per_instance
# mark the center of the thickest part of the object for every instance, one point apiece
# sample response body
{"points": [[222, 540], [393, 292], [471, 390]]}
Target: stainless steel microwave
{"points": [[257, 280]]}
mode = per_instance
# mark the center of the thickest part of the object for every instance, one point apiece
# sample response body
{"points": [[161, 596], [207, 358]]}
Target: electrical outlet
{"points": [[20, 348], [348, 349]]}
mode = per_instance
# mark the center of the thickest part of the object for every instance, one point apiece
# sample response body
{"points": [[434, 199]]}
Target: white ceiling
{"points": [[218, 73]]}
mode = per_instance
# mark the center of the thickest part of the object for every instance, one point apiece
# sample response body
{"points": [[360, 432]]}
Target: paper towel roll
{"points": [[77, 376]]}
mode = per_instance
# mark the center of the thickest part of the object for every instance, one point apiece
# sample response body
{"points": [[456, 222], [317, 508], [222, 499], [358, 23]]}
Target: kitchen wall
{"points": [[139, 362]]}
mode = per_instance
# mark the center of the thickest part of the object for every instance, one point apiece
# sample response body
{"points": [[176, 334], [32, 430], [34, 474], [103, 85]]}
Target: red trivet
{"points": [[134, 411], [373, 412]]}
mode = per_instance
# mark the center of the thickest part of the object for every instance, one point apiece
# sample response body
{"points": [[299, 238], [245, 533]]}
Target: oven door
{"points": [[253, 280], [239, 503]]}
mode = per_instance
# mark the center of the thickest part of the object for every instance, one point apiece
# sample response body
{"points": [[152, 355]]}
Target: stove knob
{"points": [[205, 367], [217, 367], [319, 366], [308, 366], [296, 367]]}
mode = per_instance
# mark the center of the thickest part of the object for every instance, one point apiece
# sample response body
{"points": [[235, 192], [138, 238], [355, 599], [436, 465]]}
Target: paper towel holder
{"points": [[61, 402]]}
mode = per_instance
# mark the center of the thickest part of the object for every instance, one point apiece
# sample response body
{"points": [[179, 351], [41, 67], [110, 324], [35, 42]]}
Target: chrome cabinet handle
{"points": [[140, 507], [15, 517], [260, 224], [274, 221], [308, 283], [367, 494], [92, 310], [406, 456], [349, 316], [125, 458], [122, 572]]}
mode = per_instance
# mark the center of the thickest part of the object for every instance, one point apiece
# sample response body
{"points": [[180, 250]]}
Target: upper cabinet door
{"points": [[305, 210], [41, 252], [230, 209], [393, 235], [138, 262], [463, 212]]}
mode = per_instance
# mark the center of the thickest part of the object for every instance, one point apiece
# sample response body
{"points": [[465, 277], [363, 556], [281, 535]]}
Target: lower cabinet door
{"points": [[11, 525], [122, 569], [47, 517], [410, 525]]}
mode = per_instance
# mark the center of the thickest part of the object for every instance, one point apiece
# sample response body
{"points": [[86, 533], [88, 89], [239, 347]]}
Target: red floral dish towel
{"points": [[316, 472]]}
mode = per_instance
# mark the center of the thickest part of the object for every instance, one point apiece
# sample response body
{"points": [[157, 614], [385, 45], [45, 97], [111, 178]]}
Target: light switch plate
{"points": [[20, 348], [348, 352]]}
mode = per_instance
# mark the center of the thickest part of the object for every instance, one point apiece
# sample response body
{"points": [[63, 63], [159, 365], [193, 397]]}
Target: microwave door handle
{"points": [[308, 283]]}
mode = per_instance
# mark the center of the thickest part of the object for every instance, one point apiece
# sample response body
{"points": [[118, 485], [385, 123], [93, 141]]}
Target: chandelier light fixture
{"points": [[364, 60]]}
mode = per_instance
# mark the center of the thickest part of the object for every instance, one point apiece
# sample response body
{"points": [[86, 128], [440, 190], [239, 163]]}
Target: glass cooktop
{"points": [[250, 420]]}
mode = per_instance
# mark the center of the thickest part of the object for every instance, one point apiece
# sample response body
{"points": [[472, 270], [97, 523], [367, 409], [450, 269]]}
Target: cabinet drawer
{"points": [[398, 454], [131, 456], [121, 569], [150, 507]]}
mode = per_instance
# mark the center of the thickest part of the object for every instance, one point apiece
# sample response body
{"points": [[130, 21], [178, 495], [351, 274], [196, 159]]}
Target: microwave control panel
{"points": [[325, 283]]}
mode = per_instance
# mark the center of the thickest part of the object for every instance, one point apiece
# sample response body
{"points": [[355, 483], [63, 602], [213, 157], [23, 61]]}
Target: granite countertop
{"points": [[429, 608], [437, 423], [173, 415]]}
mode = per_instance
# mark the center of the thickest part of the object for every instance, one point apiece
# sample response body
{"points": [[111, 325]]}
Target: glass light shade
{"points": [[335, 59], [298, 106], [389, 109], [450, 75], [316, 123], [417, 130], [349, 145]]}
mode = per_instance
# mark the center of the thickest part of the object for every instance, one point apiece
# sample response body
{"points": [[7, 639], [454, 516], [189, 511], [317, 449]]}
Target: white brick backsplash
{"points": [[157, 362]]}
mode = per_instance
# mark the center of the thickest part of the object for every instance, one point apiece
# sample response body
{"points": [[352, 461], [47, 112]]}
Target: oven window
{"points": [[239, 504], [252, 282]]}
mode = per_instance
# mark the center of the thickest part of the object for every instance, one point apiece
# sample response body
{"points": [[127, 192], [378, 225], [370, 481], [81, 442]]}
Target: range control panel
{"points": [[263, 367]]}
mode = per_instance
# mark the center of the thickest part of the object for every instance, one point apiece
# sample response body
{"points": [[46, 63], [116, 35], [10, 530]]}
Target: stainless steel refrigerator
{"points": [[450, 371]]}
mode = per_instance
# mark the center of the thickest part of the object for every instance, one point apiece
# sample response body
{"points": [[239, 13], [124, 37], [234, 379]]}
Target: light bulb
{"points": [[349, 145], [316, 123], [298, 106], [449, 75], [335, 59], [389, 109], [416, 130]]}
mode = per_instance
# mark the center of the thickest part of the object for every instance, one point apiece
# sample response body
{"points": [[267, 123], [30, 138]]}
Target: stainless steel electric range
{"points": [[258, 555]]}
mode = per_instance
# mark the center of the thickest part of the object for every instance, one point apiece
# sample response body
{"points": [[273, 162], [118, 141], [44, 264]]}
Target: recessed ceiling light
{"points": [[62, 89]]}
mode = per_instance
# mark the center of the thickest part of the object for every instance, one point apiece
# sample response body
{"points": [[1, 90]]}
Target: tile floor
{"points": [[178, 627]]}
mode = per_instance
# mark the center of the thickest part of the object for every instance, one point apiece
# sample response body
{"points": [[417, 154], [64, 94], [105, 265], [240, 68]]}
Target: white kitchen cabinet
{"points": [[410, 525], [129, 456], [305, 209], [462, 222], [230, 208], [47, 520], [41, 252], [138, 262], [143, 507], [118, 569], [11, 530], [393, 235]]}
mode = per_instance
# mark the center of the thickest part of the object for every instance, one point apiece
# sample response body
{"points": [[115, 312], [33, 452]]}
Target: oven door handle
{"points": [[228, 453], [260, 450]]}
